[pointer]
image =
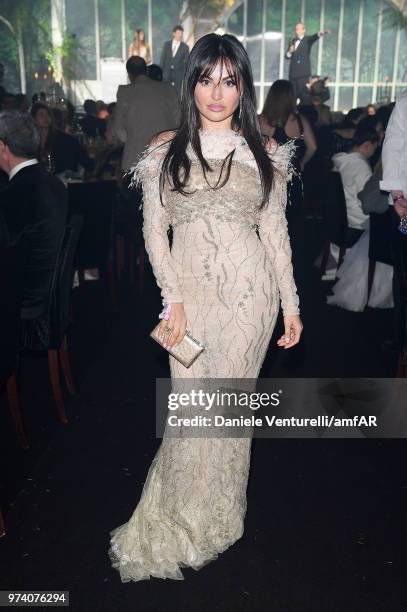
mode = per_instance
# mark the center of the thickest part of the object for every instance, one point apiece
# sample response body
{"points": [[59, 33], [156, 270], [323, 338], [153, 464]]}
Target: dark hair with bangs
{"points": [[205, 55]]}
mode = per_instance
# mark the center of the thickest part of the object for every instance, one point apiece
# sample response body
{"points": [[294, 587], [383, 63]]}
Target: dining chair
{"points": [[48, 333], [335, 220], [11, 283], [129, 241], [95, 201]]}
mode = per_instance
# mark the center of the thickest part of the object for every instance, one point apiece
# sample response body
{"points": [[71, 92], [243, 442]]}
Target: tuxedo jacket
{"points": [[33, 211], [300, 64], [174, 67]]}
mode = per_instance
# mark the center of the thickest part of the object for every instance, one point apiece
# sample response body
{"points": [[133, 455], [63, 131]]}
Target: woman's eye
{"points": [[204, 81], [230, 83]]}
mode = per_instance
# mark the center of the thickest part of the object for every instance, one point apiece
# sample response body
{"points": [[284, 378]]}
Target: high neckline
{"points": [[214, 131]]}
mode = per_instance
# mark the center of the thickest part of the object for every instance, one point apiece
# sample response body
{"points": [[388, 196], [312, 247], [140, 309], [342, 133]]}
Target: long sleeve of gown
{"points": [[156, 223], [273, 231]]}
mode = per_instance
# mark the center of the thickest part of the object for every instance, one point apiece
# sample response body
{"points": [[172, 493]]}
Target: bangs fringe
{"points": [[226, 65]]}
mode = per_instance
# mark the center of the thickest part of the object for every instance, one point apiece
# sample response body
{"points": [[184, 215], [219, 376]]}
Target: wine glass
{"points": [[50, 164]]}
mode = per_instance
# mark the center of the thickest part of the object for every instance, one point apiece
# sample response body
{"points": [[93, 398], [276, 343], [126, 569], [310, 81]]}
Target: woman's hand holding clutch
{"points": [[172, 331], [293, 328]]}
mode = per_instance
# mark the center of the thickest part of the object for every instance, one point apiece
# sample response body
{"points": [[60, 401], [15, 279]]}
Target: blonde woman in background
{"points": [[140, 47]]}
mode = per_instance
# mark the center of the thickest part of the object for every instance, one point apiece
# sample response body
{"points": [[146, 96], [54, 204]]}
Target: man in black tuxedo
{"points": [[299, 54], [33, 209], [174, 59]]}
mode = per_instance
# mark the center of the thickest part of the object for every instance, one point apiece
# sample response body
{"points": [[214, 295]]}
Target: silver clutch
{"points": [[186, 351]]}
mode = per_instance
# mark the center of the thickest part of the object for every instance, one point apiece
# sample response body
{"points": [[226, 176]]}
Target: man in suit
{"points": [[33, 209], [144, 108], [174, 57], [299, 54]]}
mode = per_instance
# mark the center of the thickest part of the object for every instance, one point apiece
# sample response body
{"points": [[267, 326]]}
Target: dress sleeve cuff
{"points": [[175, 298], [291, 312]]}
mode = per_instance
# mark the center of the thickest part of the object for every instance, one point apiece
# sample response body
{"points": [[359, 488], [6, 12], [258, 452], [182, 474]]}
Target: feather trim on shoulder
{"points": [[282, 159], [148, 166]]}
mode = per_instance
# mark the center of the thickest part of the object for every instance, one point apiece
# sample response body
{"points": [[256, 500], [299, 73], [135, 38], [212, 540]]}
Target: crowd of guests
{"points": [[349, 144], [365, 264]]}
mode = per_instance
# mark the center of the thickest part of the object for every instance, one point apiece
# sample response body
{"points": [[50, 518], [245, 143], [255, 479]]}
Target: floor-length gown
{"points": [[230, 279]]}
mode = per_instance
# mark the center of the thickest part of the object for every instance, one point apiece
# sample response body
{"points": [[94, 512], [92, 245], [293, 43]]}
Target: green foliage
{"points": [[69, 52], [211, 10], [9, 57], [110, 28], [196, 7], [394, 18], [30, 20]]}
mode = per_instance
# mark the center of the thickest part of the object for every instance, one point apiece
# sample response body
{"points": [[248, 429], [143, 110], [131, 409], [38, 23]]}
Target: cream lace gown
{"points": [[193, 502]]}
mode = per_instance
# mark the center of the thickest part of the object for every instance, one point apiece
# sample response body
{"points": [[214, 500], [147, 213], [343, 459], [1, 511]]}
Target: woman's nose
{"points": [[216, 92]]}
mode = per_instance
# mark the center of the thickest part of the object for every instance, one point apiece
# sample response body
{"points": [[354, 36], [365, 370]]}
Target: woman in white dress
{"points": [[140, 47], [215, 180]]}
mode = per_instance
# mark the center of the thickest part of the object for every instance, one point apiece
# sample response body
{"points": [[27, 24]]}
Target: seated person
{"points": [[341, 135], [351, 291], [66, 151], [33, 209], [355, 171], [91, 124]]}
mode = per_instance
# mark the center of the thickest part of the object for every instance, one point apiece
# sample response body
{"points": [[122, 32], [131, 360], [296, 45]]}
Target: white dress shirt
{"points": [[297, 42], [175, 45], [24, 164]]}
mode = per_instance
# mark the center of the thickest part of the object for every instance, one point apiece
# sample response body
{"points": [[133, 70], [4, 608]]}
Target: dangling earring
{"points": [[240, 109]]}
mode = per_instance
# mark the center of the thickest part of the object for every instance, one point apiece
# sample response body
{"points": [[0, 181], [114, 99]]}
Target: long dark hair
{"points": [[205, 55], [45, 147], [279, 104]]}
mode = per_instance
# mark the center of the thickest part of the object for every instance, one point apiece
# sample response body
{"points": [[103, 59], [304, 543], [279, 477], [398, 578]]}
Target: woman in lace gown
{"points": [[224, 282]]}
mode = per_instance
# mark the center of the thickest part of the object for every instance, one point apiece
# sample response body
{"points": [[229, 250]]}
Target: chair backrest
{"points": [[335, 218], [95, 201], [380, 237], [63, 280], [11, 288]]}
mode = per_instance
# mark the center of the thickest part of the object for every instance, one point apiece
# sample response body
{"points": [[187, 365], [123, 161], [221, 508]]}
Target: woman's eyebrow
{"points": [[226, 78]]}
